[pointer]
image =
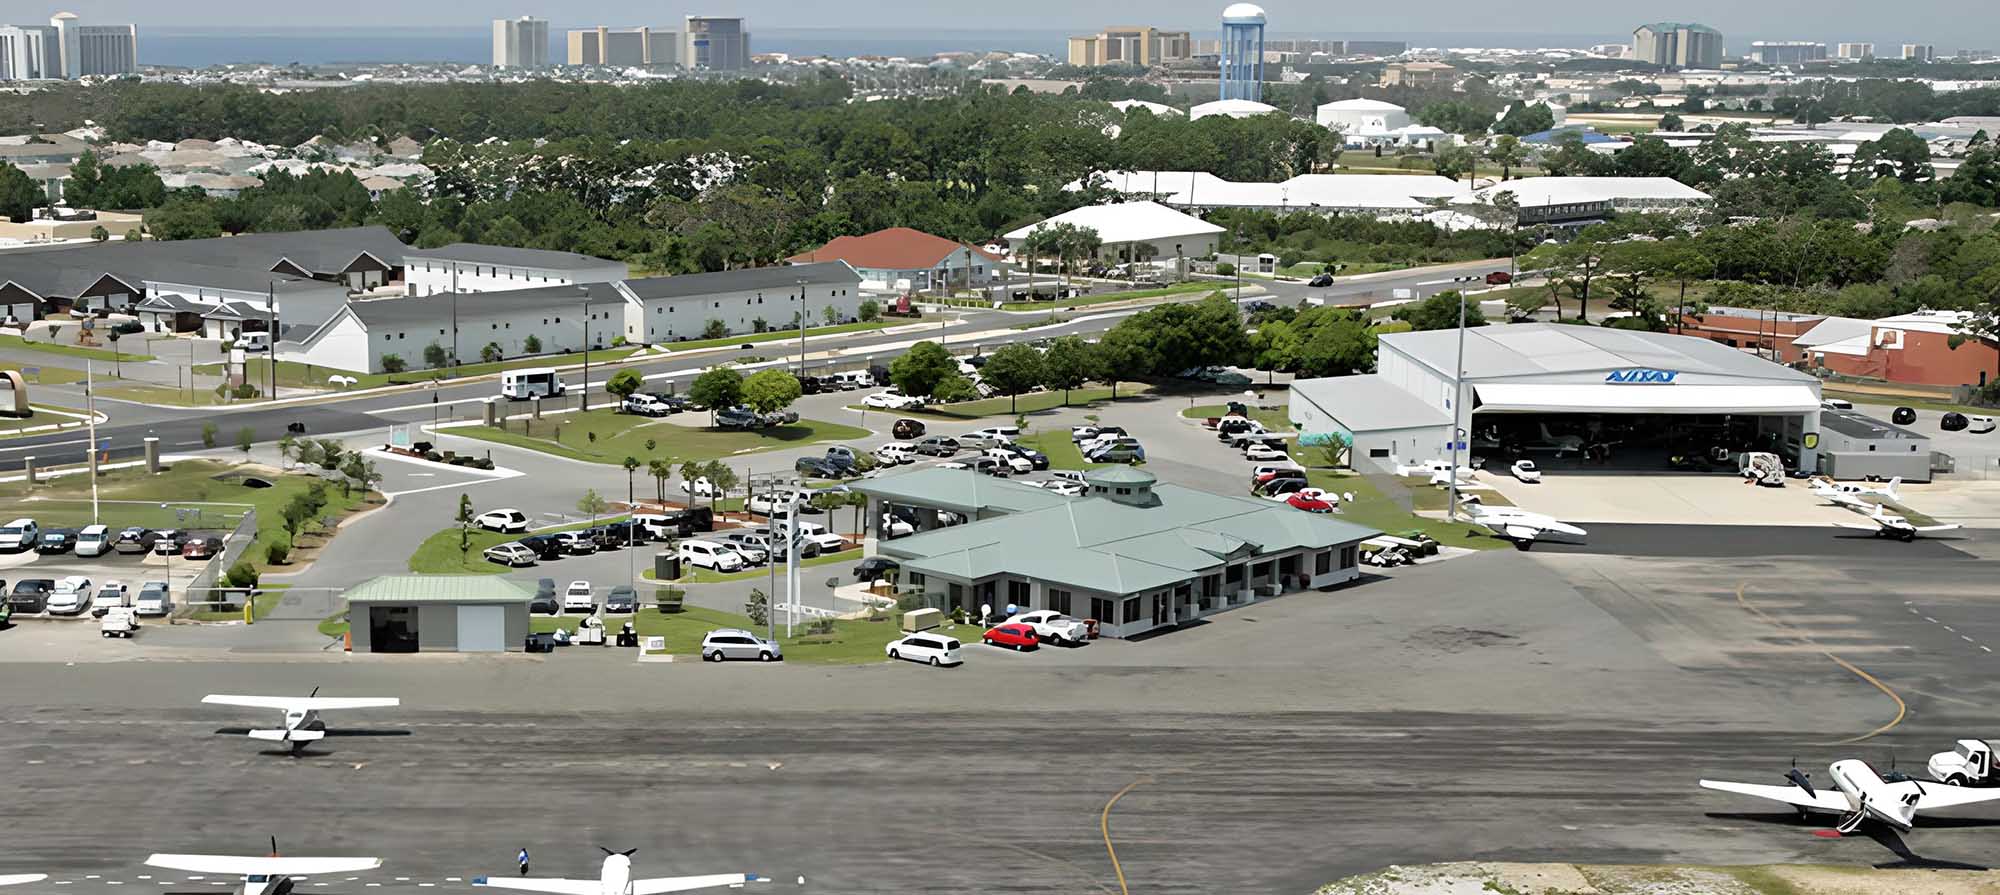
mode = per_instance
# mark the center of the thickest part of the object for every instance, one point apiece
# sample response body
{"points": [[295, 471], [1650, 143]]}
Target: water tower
{"points": [[1243, 52]]}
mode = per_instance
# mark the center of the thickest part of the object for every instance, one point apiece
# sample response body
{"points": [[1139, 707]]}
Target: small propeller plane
{"points": [[1520, 526], [1860, 794], [15, 879], [1823, 486], [1884, 523], [268, 875], [302, 723], [616, 879]]}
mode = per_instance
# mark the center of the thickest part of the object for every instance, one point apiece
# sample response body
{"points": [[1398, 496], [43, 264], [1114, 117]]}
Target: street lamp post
{"points": [[801, 282], [453, 360], [1457, 400], [583, 403]]}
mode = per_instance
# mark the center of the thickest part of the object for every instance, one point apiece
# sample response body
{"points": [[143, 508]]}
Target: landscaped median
{"points": [[693, 575], [105, 355], [848, 643], [607, 436], [439, 553], [1033, 402]]}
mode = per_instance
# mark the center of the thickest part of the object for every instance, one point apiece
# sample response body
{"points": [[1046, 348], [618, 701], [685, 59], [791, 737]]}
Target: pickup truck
{"points": [[1053, 627], [1971, 764], [120, 621]]}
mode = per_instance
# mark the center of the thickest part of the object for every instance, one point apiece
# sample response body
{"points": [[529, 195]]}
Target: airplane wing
{"points": [[1825, 800], [1520, 532], [1932, 796], [690, 883], [545, 885], [19, 878], [234, 865], [1857, 526], [1947, 526], [304, 703]]}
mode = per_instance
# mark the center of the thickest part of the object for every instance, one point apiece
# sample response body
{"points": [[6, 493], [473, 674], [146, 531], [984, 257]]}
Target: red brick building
{"points": [[1910, 348], [1752, 328]]}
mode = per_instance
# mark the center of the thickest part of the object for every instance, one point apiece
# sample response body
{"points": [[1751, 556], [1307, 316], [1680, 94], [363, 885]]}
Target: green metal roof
{"points": [[959, 489], [440, 589], [1120, 475], [1105, 545]]}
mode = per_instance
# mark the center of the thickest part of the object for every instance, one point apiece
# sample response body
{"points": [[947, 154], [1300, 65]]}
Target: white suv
{"points": [[579, 596], [19, 535], [1019, 464], [710, 555], [1053, 626], [822, 537], [895, 453], [504, 521], [71, 596]]}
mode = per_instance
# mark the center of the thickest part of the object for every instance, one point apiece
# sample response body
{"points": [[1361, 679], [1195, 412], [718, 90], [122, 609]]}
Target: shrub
{"points": [[618, 342], [714, 329], [241, 575], [870, 311], [491, 353], [278, 549], [434, 355], [532, 345], [245, 392], [1225, 269], [393, 363]]}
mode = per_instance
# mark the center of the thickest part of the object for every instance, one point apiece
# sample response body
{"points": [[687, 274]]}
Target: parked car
{"points": [[711, 555], [1321, 282], [893, 527], [508, 521], [1003, 433], [937, 446], [808, 548], [906, 429], [891, 400], [818, 468], [545, 547], [622, 600], [1021, 637], [737, 418], [989, 466], [1311, 500], [579, 596], [645, 405], [607, 538], [1036, 459], [55, 540], [169, 541], [626, 533], [71, 596], [1015, 463], [701, 487], [575, 543], [19, 535], [1526, 471], [1977, 424], [1836, 404], [753, 550], [31, 595], [155, 600], [118, 621], [137, 539], [1954, 422], [735, 643], [94, 540], [873, 568], [1280, 488], [894, 453], [1261, 451], [510, 554], [546, 604], [1499, 278], [822, 537], [1903, 416], [1053, 627], [205, 547], [935, 650], [110, 595], [1063, 487]]}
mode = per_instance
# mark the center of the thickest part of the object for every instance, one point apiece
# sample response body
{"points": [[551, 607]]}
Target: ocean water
{"points": [[196, 48]]}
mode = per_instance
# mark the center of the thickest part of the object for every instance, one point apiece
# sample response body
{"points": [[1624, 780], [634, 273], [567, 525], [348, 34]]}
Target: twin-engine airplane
{"points": [[1860, 794], [302, 724], [616, 879]]}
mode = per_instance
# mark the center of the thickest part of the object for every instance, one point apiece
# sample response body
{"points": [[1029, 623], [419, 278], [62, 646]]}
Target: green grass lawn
{"points": [[1062, 452], [605, 436], [1372, 508], [102, 354], [59, 376], [1276, 419], [703, 576], [160, 394], [1030, 403], [439, 553], [851, 643], [296, 375], [781, 335], [334, 626], [135, 497]]}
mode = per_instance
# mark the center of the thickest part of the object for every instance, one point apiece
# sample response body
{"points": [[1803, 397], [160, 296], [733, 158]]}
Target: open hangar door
{"points": [[1641, 429]]}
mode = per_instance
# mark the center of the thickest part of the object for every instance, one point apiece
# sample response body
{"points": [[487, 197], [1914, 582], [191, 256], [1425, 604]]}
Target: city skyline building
{"points": [[67, 49], [642, 46], [1855, 50], [1242, 59], [1130, 45], [1920, 52], [713, 43], [520, 43], [1677, 45], [1786, 52]]}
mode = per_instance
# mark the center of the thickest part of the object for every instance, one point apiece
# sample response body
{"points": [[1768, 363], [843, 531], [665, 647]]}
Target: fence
{"points": [[233, 545]]}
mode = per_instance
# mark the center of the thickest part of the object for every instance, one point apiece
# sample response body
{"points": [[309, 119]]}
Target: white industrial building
{"points": [[1134, 231], [1383, 195], [1360, 120], [1234, 108], [471, 267], [1578, 200], [676, 309], [1564, 391]]}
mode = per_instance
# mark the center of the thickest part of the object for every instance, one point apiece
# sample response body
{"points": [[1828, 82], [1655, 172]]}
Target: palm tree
{"points": [[661, 469]]}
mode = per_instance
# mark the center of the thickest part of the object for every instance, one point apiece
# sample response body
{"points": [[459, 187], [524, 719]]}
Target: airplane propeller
{"points": [[274, 846], [1801, 779], [627, 853], [1894, 776]]}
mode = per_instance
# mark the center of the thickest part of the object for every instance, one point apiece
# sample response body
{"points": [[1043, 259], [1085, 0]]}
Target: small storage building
{"points": [[438, 613]]}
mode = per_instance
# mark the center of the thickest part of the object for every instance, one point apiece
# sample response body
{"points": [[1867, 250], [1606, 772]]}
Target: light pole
{"points": [[453, 361], [801, 282], [584, 401], [1457, 399]]}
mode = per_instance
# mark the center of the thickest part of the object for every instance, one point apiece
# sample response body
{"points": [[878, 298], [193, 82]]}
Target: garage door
{"points": [[482, 629]]}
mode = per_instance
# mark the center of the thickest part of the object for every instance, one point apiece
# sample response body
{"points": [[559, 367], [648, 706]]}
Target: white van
{"points": [[710, 555], [894, 453], [927, 647], [93, 540], [254, 342], [531, 382], [853, 379]]}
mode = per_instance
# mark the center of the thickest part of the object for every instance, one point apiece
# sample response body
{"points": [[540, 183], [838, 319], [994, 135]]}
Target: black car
{"points": [[546, 604], [879, 373], [873, 568], [1321, 282], [626, 533], [737, 418], [977, 361], [31, 594], [621, 599], [818, 468], [1954, 422], [545, 548], [135, 540], [609, 538], [56, 540], [906, 429], [1903, 416], [1035, 458]]}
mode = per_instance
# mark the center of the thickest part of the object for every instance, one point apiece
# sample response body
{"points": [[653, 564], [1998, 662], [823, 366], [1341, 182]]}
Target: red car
{"points": [[201, 548], [1499, 278], [1312, 500], [1021, 637]]}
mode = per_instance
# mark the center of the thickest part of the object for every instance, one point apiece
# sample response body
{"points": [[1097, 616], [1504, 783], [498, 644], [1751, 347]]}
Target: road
{"points": [[180, 428]]}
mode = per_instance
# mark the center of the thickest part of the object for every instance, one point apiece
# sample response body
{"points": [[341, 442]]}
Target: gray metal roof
{"points": [[1527, 349], [234, 262], [825, 273], [430, 310], [1368, 402], [1834, 329], [440, 589], [1857, 425], [475, 253], [1101, 544]]}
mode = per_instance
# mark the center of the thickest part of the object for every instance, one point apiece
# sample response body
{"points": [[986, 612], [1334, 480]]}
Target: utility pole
{"points": [[584, 403], [802, 326], [453, 360], [1457, 399], [90, 413], [271, 331]]}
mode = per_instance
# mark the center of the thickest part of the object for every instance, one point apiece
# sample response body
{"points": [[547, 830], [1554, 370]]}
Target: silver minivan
{"points": [[736, 643], [93, 540]]}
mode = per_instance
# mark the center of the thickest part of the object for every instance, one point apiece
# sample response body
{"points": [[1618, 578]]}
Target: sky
{"points": [[1950, 24]]}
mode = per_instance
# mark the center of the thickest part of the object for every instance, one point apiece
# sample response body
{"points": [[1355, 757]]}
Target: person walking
{"points": [[523, 856]]}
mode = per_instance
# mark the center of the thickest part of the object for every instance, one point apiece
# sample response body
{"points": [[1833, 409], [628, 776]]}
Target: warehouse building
{"points": [[549, 320], [438, 614], [1610, 398], [1131, 553], [1133, 231], [470, 267], [1853, 446]]}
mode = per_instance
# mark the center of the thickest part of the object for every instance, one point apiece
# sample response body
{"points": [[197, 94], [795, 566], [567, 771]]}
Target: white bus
{"points": [[530, 382]]}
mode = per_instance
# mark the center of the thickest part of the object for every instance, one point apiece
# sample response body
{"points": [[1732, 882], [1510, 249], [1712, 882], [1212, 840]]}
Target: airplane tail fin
{"points": [[1889, 490]]}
